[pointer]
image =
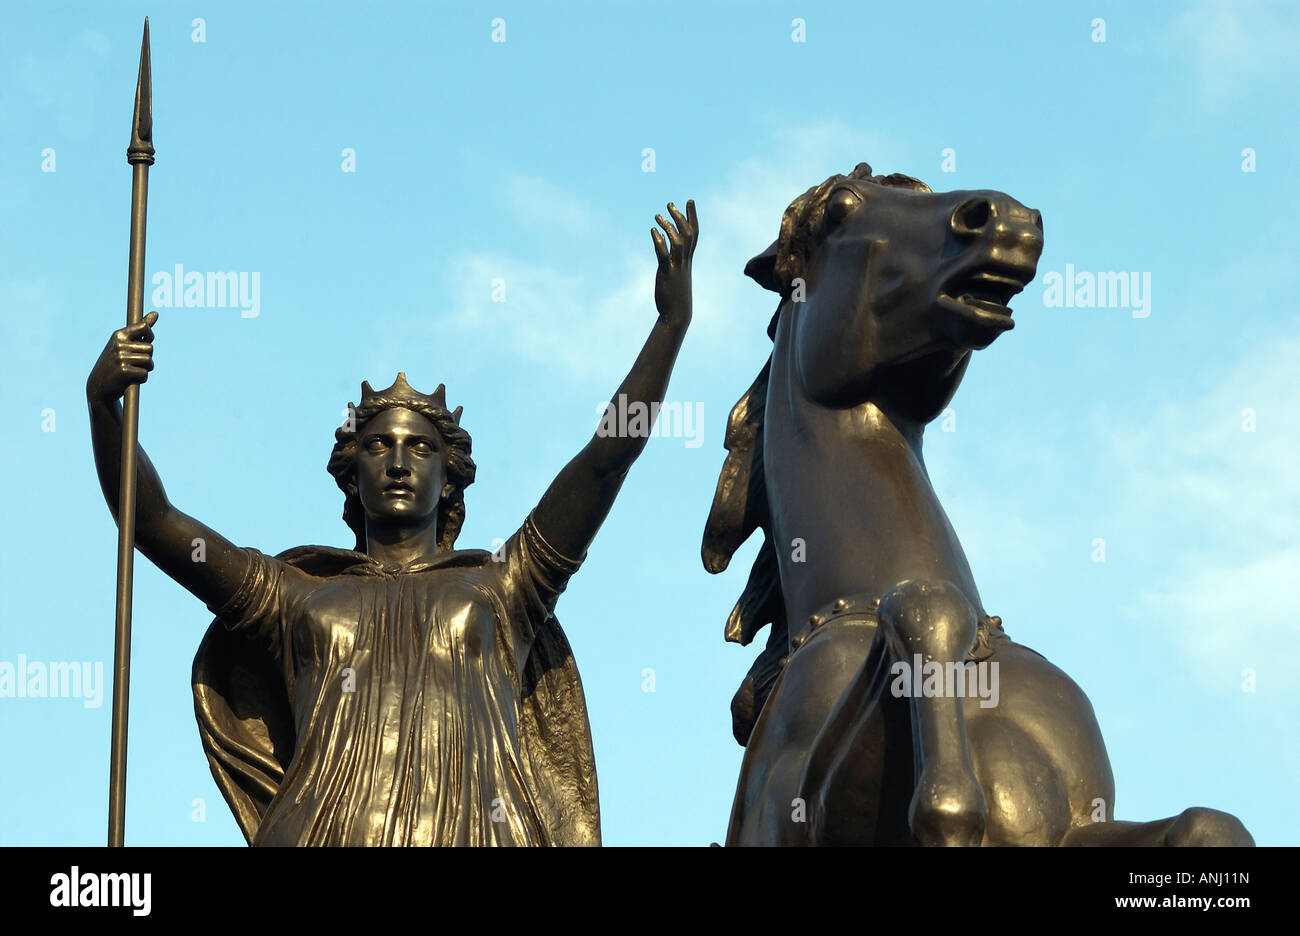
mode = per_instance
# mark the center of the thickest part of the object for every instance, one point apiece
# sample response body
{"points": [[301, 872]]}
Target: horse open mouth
{"points": [[987, 289]]}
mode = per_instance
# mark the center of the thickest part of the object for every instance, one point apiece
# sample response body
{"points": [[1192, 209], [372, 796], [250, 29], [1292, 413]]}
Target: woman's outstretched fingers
{"points": [[661, 246], [680, 219], [673, 237]]}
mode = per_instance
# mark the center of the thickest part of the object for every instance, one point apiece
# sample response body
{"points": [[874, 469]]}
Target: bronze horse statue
{"points": [[851, 735]]}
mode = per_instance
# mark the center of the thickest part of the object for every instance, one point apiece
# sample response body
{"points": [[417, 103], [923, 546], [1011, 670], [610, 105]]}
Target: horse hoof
{"points": [[1199, 826], [948, 813]]}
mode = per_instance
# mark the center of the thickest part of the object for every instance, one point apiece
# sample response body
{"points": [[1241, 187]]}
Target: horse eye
{"points": [[841, 204]]}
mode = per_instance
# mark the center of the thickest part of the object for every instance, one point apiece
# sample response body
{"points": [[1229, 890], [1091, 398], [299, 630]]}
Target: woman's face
{"points": [[400, 468]]}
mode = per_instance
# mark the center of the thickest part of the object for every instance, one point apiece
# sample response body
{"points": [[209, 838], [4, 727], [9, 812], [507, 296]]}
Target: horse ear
{"points": [[762, 269]]}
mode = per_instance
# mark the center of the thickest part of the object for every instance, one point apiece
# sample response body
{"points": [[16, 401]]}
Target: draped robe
{"points": [[342, 702]]}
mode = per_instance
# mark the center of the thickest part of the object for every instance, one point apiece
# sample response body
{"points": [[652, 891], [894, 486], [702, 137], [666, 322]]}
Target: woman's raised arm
{"points": [[578, 500], [203, 561]]}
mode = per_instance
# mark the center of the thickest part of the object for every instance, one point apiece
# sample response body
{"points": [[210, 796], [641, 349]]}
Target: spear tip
{"points": [[141, 148]]}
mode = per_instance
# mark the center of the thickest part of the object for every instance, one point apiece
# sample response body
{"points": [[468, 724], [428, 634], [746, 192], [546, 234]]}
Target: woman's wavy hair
{"points": [[455, 451]]}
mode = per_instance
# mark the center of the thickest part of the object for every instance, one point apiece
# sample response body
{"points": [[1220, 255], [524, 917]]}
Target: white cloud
{"points": [[1228, 598], [558, 319], [550, 316], [1236, 46], [540, 205]]}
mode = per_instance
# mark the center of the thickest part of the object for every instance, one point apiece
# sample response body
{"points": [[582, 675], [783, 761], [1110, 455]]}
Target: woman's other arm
{"points": [[203, 561]]}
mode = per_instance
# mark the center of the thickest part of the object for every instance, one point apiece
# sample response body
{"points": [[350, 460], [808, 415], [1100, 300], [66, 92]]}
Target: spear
{"points": [[140, 156]]}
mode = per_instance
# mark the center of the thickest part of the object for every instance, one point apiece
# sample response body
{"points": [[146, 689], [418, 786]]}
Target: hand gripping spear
{"points": [[140, 155]]}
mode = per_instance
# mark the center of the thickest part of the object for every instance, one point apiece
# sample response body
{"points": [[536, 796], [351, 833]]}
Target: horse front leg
{"points": [[933, 622]]}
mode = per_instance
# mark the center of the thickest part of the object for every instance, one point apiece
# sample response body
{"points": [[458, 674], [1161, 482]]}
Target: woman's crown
{"points": [[401, 390]]}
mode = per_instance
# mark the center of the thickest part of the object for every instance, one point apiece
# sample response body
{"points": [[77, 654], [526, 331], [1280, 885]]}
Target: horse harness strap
{"points": [[862, 610]]}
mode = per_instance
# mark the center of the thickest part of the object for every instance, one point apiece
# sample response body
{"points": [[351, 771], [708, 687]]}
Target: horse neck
{"points": [[851, 505]]}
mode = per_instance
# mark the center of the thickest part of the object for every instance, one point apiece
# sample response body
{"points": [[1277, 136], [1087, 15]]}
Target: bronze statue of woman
{"points": [[405, 692]]}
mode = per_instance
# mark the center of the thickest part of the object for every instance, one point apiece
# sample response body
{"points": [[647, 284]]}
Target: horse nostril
{"points": [[971, 216], [1038, 219]]}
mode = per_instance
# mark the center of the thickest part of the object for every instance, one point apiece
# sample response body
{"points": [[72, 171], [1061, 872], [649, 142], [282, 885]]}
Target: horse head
{"points": [[887, 286]]}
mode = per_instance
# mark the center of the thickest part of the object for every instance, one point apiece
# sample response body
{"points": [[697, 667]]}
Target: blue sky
{"points": [[523, 160]]}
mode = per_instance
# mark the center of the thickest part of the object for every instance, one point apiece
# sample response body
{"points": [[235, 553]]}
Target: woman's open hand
{"points": [[673, 281]]}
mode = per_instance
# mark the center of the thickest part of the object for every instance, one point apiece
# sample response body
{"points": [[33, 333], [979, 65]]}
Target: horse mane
{"points": [[739, 508], [740, 503]]}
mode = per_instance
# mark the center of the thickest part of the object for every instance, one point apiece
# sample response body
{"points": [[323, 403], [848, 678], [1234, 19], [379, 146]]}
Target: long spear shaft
{"points": [[140, 156]]}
